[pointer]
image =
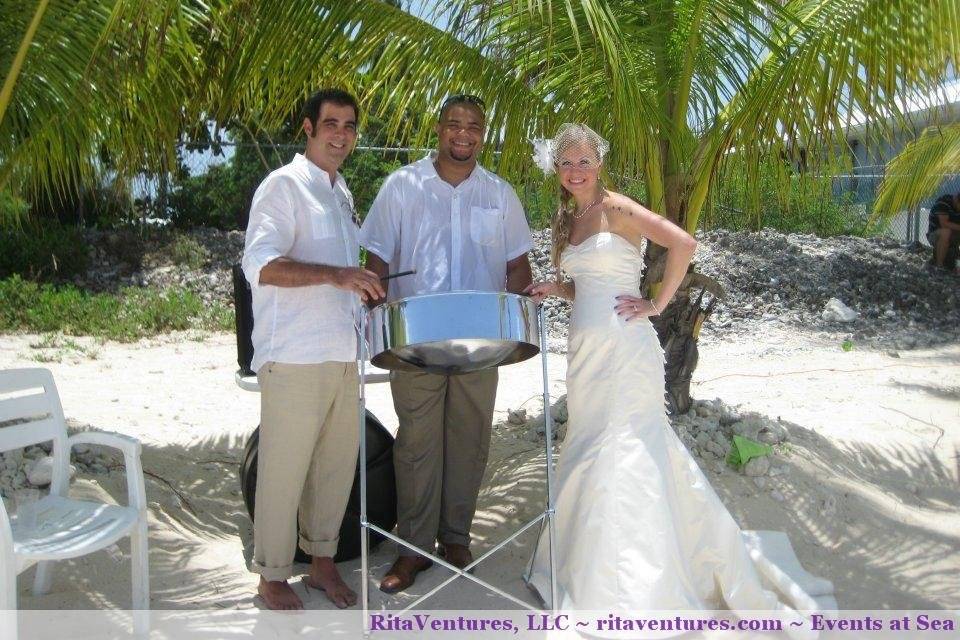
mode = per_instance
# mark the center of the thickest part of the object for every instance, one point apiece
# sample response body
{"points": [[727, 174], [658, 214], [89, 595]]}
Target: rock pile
{"points": [[865, 289], [198, 260], [534, 429], [874, 289], [33, 466], [556, 311], [707, 431]]}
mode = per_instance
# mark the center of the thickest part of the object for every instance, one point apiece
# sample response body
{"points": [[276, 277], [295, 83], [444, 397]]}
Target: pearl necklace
{"points": [[577, 216]]}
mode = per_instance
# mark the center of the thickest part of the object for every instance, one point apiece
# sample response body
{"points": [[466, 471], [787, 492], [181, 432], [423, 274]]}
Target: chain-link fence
{"points": [[197, 160], [213, 184], [861, 186]]}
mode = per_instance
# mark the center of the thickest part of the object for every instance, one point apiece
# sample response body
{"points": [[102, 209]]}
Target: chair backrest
{"points": [[29, 398], [243, 314]]}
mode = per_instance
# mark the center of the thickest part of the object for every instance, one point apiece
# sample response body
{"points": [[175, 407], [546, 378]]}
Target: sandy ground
{"points": [[871, 499]]}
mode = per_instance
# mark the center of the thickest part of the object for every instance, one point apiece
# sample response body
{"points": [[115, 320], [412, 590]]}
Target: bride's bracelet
{"points": [[654, 305]]}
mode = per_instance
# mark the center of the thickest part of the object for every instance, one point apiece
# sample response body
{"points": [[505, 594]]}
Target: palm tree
{"points": [[94, 87], [680, 86], [91, 87], [677, 86]]}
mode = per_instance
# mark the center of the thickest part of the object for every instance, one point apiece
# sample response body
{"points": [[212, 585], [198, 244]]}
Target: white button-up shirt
{"points": [[297, 214], [457, 238]]}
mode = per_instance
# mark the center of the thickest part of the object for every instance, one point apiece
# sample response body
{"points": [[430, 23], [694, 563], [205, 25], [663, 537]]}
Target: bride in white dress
{"points": [[638, 525]]}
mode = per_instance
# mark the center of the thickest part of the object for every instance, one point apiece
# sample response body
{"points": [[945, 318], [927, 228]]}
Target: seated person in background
{"points": [[943, 231]]}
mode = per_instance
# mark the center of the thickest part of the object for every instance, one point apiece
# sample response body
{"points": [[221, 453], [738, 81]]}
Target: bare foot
{"points": [[278, 595], [325, 577]]}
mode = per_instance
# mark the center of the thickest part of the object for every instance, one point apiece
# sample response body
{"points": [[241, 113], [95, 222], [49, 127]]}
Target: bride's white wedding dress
{"points": [[638, 525]]}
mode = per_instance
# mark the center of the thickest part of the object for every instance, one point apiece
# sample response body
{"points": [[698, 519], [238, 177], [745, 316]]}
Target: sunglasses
{"points": [[460, 98]]}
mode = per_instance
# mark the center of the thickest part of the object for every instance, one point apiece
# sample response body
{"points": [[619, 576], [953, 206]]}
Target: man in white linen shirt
{"points": [[301, 259], [462, 228]]}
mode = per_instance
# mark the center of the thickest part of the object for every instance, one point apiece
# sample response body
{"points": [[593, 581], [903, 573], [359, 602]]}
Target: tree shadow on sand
{"points": [[878, 520]]}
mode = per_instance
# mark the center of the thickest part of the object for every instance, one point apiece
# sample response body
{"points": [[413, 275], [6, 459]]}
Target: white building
{"points": [[869, 158]]}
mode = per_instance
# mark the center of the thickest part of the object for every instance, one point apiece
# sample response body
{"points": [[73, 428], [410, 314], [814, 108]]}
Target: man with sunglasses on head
{"points": [[301, 260], [461, 228]]}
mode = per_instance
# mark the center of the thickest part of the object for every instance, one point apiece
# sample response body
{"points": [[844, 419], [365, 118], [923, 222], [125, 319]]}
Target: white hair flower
{"points": [[543, 155]]}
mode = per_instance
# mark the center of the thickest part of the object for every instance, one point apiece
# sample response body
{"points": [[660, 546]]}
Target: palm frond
{"points": [[914, 174], [836, 63], [401, 65], [675, 85], [102, 89]]}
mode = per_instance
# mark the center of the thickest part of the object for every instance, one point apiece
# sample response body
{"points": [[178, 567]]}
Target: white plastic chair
{"points": [[65, 528]]}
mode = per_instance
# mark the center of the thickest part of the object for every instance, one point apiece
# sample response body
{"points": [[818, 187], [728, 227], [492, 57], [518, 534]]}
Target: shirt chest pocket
{"points": [[323, 223], [486, 226]]}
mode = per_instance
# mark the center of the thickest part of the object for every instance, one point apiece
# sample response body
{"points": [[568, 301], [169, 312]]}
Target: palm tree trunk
{"points": [[678, 327]]}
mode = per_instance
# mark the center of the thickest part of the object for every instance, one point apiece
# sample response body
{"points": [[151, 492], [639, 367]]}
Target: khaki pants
{"points": [[440, 453], [309, 438]]}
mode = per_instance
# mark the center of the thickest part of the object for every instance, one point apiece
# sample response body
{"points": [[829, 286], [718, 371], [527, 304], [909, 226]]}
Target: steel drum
{"points": [[456, 332]]}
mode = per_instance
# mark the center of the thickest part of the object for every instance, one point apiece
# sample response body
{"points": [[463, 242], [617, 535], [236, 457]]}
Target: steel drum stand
{"points": [[545, 519]]}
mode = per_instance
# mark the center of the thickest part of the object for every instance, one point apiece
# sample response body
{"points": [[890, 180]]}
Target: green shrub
{"points": [[42, 251], [186, 251], [540, 197], [131, 314], [149, 312], [105, 203], [364, 172], [784, 200], [12, 209], [220, 197]]}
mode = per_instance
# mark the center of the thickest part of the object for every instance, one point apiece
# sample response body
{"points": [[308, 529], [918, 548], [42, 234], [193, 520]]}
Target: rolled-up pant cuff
{"points": [[454, 538], [320, 548], [272, 574]]}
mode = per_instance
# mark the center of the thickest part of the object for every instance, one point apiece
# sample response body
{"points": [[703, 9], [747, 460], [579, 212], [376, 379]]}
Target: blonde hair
{"points": [[560, 228]]}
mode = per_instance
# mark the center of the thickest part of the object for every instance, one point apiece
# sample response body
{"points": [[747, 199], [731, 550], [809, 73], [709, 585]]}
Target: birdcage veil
{"points": [[547, 150]]}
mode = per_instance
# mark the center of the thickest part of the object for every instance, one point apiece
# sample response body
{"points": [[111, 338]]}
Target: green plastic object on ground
{"points": [[744, 449]]}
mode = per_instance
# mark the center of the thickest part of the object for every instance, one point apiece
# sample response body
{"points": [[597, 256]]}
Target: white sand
{"points": [[878, 435]]}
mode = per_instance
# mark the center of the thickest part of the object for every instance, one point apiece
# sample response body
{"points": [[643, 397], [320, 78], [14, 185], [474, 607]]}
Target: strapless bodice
{"points": [[603, 266]]}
